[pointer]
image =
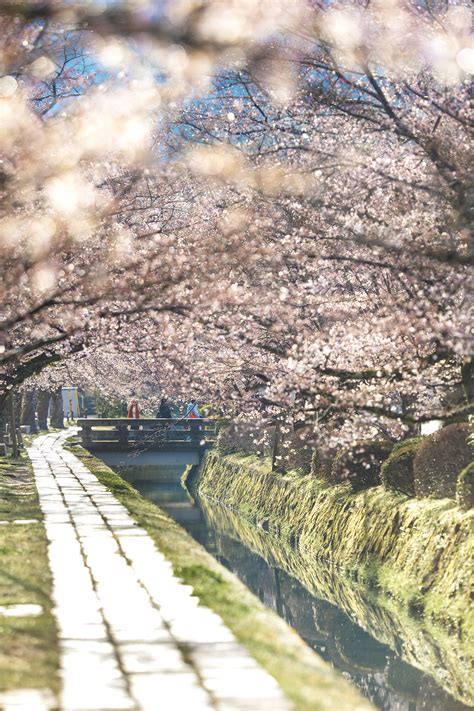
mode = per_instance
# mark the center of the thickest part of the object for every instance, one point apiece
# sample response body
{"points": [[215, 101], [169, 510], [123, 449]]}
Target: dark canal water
{"points": [[381, 671]]}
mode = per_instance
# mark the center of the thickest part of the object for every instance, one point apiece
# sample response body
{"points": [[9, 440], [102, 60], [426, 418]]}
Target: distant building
{"points": [[72, 401]]}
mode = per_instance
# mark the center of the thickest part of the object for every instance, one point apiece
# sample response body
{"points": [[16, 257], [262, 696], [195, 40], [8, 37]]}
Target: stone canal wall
{"points": [[442, 657], [419, 552]]}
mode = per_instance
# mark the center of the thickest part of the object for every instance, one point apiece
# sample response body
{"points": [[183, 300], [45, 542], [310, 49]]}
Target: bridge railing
{"points": [[126, 432]]}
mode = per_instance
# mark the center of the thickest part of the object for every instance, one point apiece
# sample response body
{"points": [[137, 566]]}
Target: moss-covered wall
{"points": [[419, 552], [429, 646]]}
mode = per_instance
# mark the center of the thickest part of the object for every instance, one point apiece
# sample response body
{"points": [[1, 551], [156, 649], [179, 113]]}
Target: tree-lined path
{"points": [[132, 636], [253, 218]]}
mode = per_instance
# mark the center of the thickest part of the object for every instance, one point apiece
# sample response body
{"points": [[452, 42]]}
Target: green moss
{"points": [[405, 547], [397, 471], [407, 445], [28, 645], [321, 465], [310, 683], [359, 592], [465, 488]]}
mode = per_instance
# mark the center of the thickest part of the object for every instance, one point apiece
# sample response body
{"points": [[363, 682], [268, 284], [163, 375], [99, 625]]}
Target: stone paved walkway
{"points": [[131, 634]]}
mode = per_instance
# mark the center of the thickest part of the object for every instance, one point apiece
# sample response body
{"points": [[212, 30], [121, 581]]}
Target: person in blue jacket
{"points": [[192, 410]]}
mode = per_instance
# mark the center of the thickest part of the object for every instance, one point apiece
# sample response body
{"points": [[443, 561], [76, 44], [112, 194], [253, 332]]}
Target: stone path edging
{"points": [[132, 636]]}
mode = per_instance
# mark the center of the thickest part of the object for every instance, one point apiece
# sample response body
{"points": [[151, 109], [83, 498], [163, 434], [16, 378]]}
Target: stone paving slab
{"points": [[20, 610], [132, 635], [27, 700]]}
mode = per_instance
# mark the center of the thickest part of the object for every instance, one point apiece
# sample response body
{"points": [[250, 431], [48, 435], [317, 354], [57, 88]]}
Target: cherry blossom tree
{"points": [[268, 208]]}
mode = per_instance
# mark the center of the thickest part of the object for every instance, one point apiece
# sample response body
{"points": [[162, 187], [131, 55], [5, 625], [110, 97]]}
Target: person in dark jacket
{"points": [[164, 409]]}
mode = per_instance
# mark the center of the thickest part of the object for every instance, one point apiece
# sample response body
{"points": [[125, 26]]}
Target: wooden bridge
{"points": [[146, 435]]}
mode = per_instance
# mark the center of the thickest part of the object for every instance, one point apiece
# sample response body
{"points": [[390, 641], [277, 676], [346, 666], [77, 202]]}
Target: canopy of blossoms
{"points": [[267, 204]]}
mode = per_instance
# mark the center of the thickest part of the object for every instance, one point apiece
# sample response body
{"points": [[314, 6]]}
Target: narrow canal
{"points": [[379, 670]]}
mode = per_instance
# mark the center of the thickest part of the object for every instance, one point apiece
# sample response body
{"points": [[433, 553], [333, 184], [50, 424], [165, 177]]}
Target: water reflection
{"points": [[319, 602]]}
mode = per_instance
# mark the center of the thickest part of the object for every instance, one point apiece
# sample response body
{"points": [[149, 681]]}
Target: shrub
{"points": [[397, 471], [465, 488], [110, 407], [295, 451], [321, 464], [242, 437], [226, 440], [440, 459], [360, 464]]}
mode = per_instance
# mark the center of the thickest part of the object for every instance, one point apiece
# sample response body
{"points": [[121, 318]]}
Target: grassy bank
{"points": [[28, 645], [308, 681], [417, 551]]}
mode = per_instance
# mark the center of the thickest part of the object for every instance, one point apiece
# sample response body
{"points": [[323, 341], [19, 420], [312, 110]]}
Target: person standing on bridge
{"points": [[192, 410], [164, 411], [134, 413], [192, 413]]}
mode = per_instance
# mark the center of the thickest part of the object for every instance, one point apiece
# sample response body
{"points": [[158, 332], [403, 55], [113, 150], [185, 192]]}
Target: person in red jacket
{"points": [[134, 412]]}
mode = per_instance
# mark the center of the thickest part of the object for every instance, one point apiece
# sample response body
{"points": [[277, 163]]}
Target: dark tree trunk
{"points": [[57, 414], [408, 400], [4, 417], [42, 408], [17, 397], [28, 416], [12, 422], [276, 446], [467, 377]]}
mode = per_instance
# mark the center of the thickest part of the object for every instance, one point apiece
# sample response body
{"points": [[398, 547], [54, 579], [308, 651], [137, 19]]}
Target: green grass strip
{"points": [[29, 657]]}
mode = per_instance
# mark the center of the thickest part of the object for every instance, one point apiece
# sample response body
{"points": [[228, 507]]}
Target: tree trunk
{"points": [[42, 408], [17, 397], [276, 447], [4, 417], [28, 416], [412, 429], [12, 422], [467, 377], [57, 414]]}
